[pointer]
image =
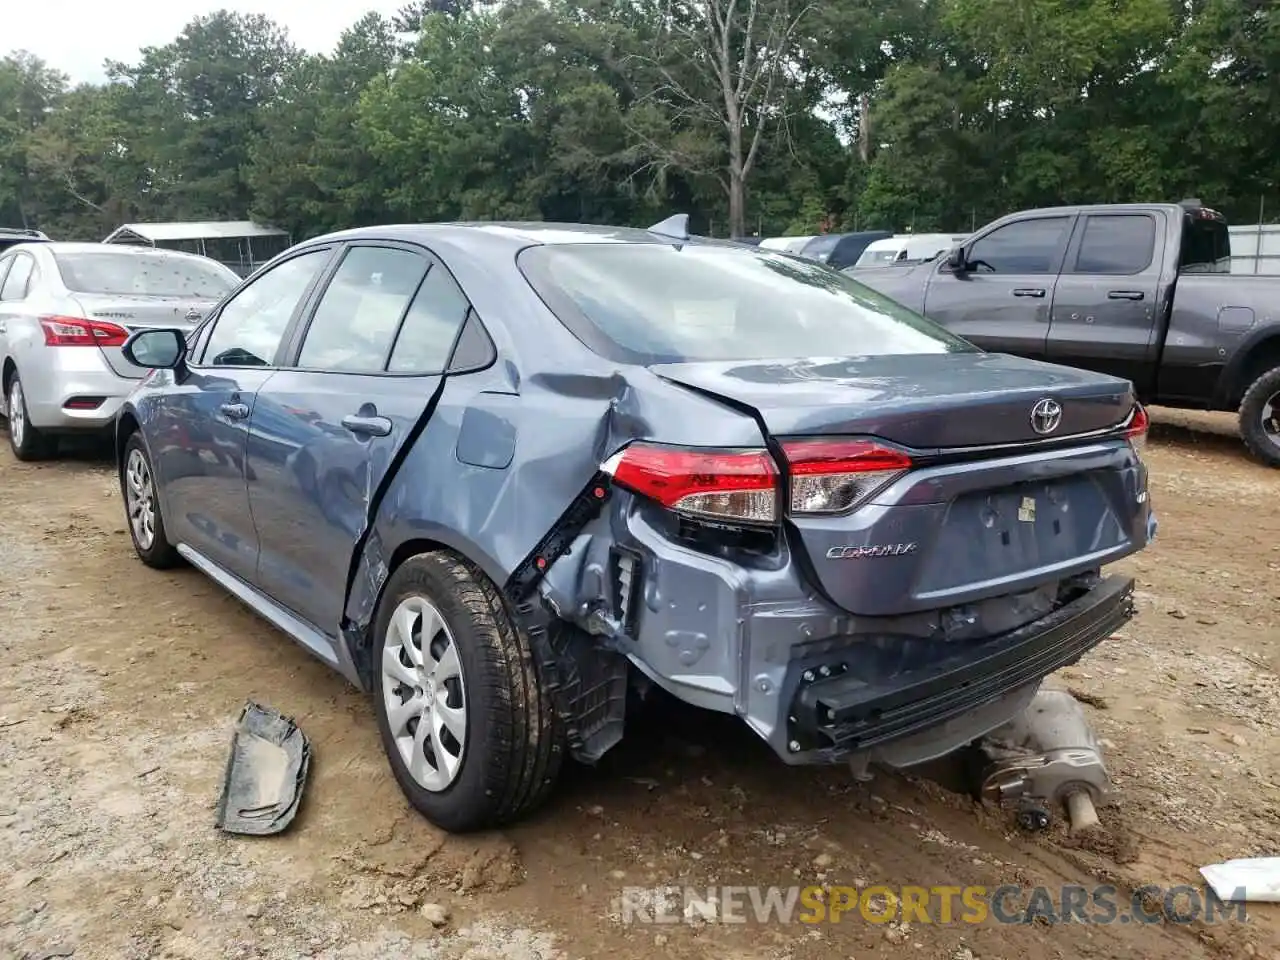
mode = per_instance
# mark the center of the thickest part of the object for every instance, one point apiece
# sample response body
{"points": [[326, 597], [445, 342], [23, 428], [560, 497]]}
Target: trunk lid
{"points": [[923, 401], [955, 530], [135, 313]]}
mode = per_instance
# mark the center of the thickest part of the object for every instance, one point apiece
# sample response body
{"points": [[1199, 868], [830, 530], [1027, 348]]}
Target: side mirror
{"points": [[156, 349], [956, 260]]}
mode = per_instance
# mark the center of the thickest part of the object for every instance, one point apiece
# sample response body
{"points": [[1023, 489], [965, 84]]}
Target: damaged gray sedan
{"points": [[501, 475]]}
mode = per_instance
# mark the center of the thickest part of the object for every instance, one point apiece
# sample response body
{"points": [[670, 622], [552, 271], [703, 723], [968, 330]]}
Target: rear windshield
{"points": [[654, 303], [143, 275], [1206, 245]]}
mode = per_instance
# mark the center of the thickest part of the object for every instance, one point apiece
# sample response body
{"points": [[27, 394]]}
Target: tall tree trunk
{"points": [[737, 183]]}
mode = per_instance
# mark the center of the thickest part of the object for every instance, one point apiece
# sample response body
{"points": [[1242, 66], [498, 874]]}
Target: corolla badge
{"points": [[1045, 416], [877, 550]]}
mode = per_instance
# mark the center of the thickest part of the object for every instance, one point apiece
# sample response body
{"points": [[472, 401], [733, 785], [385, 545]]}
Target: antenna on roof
{"points": [[676, 227]]}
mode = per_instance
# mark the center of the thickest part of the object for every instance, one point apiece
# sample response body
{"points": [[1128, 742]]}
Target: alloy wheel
{"points": [[17, 413], [139, 493], [1270, 418], [424, 693]]}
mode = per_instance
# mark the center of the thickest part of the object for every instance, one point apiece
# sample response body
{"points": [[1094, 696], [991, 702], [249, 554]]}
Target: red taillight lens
{"points": [[736, 486], [835, 476], [1136, 429], [78, 332]]}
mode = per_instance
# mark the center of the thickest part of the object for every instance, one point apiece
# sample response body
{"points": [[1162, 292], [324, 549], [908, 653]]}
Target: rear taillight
{"points": [[1136, 429], [835, 476], [741, 486], [78, 332], [735, 486]]}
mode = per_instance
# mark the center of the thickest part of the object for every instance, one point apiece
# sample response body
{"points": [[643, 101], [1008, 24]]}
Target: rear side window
{"points": [[1021, 247], [431, 325], [134, 274], [654, 302], [1120, 244], [18, 281], [355, 322]]}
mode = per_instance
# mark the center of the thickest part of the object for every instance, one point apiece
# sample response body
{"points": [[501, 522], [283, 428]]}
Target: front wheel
{"points": [[142, 507], [462, 707], [1260, 418]]}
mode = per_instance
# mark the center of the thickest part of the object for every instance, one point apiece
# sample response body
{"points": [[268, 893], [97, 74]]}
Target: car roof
{"points": [[514, 235]]}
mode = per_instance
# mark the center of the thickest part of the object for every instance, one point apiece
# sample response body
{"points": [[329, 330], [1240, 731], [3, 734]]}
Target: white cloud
{"points": [[76, 36]]}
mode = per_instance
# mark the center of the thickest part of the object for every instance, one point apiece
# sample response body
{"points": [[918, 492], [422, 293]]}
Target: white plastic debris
{"points": [[1254, 880]]}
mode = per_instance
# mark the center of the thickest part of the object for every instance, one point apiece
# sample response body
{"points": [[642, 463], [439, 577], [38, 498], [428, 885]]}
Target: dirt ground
{"points": [[119, 686]]}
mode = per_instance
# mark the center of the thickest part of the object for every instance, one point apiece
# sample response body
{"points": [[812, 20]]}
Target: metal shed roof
{"points": [[194, 230]]}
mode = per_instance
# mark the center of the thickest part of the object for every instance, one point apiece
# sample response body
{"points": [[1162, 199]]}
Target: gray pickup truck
{"points": [[1141, 291]]}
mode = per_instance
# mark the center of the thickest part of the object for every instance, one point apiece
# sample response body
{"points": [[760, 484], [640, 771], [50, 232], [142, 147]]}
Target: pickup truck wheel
{"points": [[1260, 418], [463, 710]]}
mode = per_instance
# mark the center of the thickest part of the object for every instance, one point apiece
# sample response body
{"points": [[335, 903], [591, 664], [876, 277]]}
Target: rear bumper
{"points": [[846, 712], [59, 381]]}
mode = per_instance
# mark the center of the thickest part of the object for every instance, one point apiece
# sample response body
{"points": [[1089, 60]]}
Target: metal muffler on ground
{"points": [[1047, 757]]}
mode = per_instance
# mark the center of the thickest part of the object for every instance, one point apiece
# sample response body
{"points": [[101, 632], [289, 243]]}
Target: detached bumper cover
{"points": [[847, 712]]}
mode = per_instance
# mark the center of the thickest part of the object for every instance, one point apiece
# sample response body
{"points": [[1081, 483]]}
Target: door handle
{"points": [[1028, 292], [235, 411], [367, 426], [1125, 295]]}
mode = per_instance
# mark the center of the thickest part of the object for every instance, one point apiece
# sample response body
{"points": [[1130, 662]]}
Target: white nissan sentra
{"points": [[65, 311]]}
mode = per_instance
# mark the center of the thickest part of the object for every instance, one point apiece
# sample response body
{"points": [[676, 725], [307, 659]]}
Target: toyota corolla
{"points": [[498, 475]]}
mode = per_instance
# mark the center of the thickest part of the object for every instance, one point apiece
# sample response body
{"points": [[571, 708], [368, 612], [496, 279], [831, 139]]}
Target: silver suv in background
{"points": [[65, 311]]}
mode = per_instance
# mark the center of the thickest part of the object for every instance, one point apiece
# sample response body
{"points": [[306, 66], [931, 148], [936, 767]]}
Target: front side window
{"points": [[654, 302], [249, 328], [356, 320], [1021, 247], [128, 273]]}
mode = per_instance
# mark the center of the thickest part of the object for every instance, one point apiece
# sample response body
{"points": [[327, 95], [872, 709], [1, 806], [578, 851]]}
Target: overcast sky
{"points": [[76, 36]]}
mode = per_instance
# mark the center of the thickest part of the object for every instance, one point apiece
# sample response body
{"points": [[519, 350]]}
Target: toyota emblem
{"points": [[1045, 416]]}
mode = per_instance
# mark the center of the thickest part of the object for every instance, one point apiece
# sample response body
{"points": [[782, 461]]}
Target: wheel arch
{"points": [[373, 570], [1255, 357]]}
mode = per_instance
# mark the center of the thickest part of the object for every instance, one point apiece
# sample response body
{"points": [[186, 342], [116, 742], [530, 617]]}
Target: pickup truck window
{"points": [[1117, 244], [1206, 246], [1021, 247]]}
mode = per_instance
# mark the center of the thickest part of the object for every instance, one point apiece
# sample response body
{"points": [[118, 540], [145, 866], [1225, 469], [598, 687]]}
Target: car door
{"points": [[1001, 301], [201, 428], [1105, 303], [367, 366]]}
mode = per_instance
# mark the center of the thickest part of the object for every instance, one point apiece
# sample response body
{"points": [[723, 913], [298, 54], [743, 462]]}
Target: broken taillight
{"points": [[1136, 428], [736, 486], [835, 476]]}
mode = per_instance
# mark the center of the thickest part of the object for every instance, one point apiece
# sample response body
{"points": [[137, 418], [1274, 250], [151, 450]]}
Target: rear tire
{"points": [[142, 507], [26, 441], [1260, 418], [463, 710]]}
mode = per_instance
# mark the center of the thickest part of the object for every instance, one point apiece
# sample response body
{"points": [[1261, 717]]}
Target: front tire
{"points": [[142, 507], [25, 440], [1260, 418], [462, 707]]}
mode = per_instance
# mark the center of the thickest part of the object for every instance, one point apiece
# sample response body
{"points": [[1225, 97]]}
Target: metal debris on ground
{"points": [[1047, 756], [265, 773]]}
